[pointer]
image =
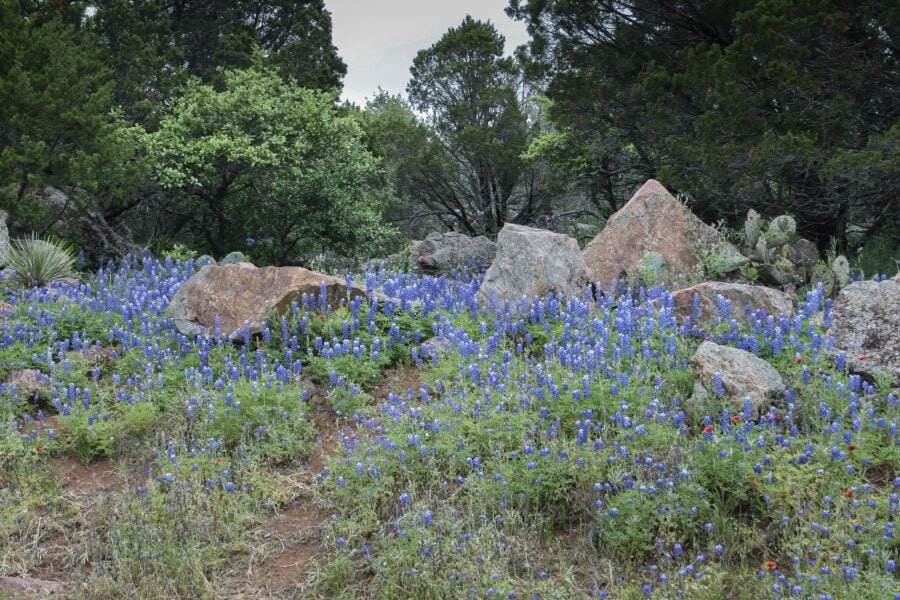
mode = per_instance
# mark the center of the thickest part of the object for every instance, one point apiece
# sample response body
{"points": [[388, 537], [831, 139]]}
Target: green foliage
{"points": [[472, 164], [180, 253], [38, 262], [265, 159], [56, 123], [726, 100]]}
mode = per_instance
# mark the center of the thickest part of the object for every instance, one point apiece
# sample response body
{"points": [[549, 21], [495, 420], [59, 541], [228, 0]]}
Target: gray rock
{"points": [[533, 262], [233, 258], [774, 302], [441, 253], [4, 239], [866, 324], [744, 376]]}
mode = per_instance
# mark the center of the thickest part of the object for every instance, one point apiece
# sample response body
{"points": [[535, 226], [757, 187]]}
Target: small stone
{"points": [[840, 266], [27, 382]]}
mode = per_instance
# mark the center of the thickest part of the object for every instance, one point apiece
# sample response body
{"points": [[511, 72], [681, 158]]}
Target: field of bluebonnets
{"points": [[544, 450]]}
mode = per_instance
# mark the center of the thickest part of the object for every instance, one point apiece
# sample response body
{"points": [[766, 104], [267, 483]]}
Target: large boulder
{"points": [[743, 376], [4, 240], [441, 253], [654, 221], [866, 325], [533, 262], [239, 293], [739, 295]]}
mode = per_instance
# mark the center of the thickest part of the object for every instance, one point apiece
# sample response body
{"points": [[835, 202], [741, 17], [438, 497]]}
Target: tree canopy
{"points": [[266, 160], [773, 105], [467, 91]]}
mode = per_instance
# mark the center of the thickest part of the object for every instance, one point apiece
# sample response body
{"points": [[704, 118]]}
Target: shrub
{"points": [[38, 262]]}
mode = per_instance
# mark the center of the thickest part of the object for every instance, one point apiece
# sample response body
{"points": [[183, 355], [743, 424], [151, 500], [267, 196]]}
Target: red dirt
{"points": [[296, 528], [88, 479]]}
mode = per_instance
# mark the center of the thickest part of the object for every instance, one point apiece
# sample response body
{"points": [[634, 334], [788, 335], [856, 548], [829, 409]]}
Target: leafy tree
{"points": [[152, 45], [470, 169], [265, 159], [769, 104]]}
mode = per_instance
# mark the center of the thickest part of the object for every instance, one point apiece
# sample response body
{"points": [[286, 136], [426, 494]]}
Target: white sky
{"points": [[378, 39]]}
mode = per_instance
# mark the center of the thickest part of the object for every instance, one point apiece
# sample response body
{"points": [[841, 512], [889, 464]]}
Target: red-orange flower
{"points": [[735, 418], [861, 357], [851, 447], [708, 428], [771, 565], [848, 493]]}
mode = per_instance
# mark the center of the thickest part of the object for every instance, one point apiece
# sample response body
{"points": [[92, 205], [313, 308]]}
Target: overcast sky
{"points": [[378, 39]]}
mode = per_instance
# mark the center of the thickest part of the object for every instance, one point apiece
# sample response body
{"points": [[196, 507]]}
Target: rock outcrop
{"points": [[866, 325], [743, 376], [654, 221], [533, 262], [739, 295], [239, 293], [441, 253], [75, 217]]}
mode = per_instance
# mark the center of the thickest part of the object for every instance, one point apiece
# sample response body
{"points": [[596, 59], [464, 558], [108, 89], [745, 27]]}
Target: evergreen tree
{"points": [[770, 104]]}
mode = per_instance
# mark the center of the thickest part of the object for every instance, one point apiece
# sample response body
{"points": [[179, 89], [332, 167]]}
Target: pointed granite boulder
{"points": [[653, 221]]}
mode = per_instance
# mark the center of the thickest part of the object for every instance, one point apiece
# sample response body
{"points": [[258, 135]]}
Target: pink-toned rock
{"points": [[239, 293], [27, 585], [27, 382], [774, 302], [866, 325], [654, 221]]}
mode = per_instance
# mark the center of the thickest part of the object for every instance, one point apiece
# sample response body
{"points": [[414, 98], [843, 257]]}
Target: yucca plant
{"points": [[39, 262]]}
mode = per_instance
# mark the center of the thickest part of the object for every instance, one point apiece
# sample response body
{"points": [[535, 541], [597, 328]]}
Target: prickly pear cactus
{"points": [[840, 266], [781, 230], [752, 228]]}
